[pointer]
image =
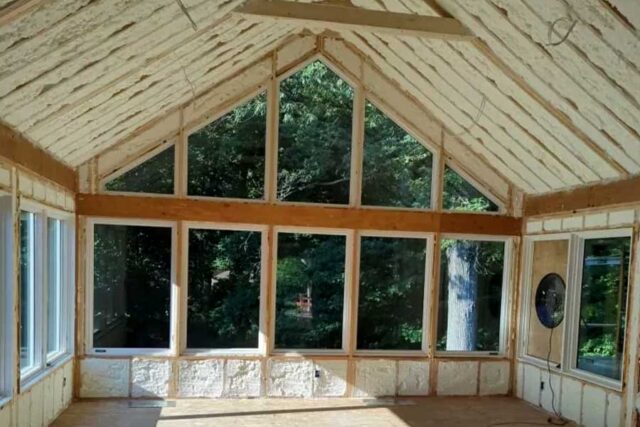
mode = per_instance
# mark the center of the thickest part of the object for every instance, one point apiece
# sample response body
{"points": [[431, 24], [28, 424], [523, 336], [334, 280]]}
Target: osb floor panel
{"points": [[441, 412]]}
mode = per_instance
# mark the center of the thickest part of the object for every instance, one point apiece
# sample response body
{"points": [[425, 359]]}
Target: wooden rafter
{"points": [[338, 17], [16, 9], [171, 208]]}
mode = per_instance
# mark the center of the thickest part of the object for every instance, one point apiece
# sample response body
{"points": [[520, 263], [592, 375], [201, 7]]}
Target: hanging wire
{"points": [[193, 88], [186, 13], [476, 119], [552, 27]]}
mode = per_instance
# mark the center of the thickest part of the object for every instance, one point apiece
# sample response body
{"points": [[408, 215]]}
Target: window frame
{"points": [[43, 362], [570, 352], [261, 349], [426, 346], [132, 164], [506, 300], [89, 274], [7, 321], [526, 303], [347, 293]]}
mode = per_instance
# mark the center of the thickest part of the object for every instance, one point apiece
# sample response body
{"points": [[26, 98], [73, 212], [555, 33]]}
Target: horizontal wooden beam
{"points": [[336, 17], [170, 208], [623, 192], [18, 150]]}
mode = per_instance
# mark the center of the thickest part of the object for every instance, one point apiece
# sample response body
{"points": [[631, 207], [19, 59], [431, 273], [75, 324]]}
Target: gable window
{"points": [[225, 279], [472, 295], [132, 277], [310, 291], [397, 169], [460, 195], [391, 293], [314, 145], [602, 312], [154, 175], [226, 158]]}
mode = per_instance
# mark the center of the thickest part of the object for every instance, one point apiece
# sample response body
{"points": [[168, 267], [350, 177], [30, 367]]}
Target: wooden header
{"points": [[171, 208], [17, 149], [335, 17], [622, 192]]}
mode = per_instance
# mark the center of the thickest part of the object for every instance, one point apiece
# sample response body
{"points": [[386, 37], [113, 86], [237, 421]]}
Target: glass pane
{"points": [[226, 157], [314, 156], [460, 195], [391, 295], [603, 302], [27, 289], [471, 281], [310, 291], [54, 285], [132, 286], [224, 289], [155, 175], [397, 168]]}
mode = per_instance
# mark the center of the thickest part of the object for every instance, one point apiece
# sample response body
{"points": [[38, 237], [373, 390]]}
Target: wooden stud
{"points": [[355, 19], [168, 208]]}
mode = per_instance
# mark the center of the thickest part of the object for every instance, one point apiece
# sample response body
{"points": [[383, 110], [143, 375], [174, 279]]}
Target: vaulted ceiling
{"points": [[79, 76]]}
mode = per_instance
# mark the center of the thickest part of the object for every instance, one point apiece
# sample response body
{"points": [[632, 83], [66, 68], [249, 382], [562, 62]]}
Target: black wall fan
{"points": [[550, 297]]}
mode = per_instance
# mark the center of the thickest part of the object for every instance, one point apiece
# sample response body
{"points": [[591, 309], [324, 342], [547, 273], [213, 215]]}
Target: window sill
{"points": [[250, 352], [469, 355], [34, 378], [391, 353], [131, 352], [306, 352]]}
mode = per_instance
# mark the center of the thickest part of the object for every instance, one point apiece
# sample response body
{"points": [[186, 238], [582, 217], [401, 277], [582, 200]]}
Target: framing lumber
{"points": [[17, 149], [321, 216], [626, 191], [336, 17]]}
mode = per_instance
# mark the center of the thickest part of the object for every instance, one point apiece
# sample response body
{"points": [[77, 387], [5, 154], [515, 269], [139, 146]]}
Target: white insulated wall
{"points": [[289, 377]]}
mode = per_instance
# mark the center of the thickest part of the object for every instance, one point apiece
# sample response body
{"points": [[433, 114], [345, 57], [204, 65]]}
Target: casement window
{"points": [[397, 170], [392, 298], [225, 289], [130, 287], [153, 175], [473, 294], [314, 136], [311, 290], [226, 158], [45, 288]]}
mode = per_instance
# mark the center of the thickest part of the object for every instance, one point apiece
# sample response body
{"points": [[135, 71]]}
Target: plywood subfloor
{"points": [[441, 412]]}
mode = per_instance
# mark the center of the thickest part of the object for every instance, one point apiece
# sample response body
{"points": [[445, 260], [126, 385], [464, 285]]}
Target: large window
{"points": [[226, 157], [314, 156], [472, 285], [603, 302], [397, 169], [459, 195], [155, 175], [132, 276], [28, 353], [310, 291], [56, 298], [225, 277], [391, 301]]}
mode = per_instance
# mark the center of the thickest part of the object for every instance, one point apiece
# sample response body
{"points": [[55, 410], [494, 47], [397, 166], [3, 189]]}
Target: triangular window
{"points": [[226, 157], [460, 195], [397, 169], [314, 155], [154, 175]]}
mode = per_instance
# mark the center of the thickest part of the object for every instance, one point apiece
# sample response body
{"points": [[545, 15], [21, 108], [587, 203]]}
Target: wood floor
{"points": [[441, 412]]}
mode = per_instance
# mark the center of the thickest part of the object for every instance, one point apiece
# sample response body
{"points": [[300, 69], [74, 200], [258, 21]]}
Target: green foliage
{"points": [[460, 195], [155, 175]]}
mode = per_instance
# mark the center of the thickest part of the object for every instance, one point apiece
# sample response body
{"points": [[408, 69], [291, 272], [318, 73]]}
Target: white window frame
{"points": [[526, 303], [570, 353], [7, 293], [346, 309], [43, 363], [505, 301], [426, 304], [261, 349], [174, 289]]}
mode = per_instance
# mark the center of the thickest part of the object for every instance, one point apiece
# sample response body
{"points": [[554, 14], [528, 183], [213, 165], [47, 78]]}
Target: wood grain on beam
{"points": [[170, 208], [622, 192], [336, 17], [17, 149]]}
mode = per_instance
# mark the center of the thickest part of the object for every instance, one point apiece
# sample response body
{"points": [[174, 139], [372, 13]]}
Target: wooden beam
{"points": [[337, 17], [623, 192], [171, 208], [17, 149], [15, 10]]}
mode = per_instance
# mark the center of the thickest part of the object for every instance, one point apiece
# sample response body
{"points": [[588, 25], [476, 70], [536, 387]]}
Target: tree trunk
{"points": [[462, 315]]}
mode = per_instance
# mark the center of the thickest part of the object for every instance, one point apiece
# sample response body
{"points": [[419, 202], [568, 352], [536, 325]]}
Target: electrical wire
{"points": [[552, 27], [476, 119]]}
